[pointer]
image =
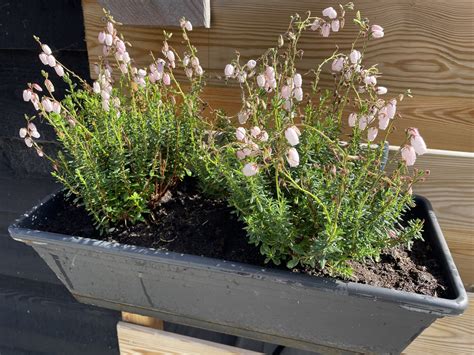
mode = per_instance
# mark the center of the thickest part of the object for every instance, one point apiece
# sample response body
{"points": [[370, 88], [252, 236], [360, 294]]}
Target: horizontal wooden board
{"points": [[450, 335], [136, 339], [418, 52]]}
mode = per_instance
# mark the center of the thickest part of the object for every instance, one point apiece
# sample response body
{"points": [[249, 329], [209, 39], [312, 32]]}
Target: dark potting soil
{"points": [[191, 223]]}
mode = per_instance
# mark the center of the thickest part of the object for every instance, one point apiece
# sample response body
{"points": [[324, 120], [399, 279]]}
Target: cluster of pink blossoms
{"points": [[47, 58], [250, 148], [334, 23], [416, 147]]}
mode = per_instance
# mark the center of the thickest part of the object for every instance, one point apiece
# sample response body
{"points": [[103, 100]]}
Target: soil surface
{"points": [[194, 224]]}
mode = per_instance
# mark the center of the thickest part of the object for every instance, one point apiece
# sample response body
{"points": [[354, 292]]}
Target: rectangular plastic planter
{"points": [[313, 313]]}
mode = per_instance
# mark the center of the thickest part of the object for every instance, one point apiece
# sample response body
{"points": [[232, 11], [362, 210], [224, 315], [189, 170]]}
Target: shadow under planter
{"points": [[307, 312]]}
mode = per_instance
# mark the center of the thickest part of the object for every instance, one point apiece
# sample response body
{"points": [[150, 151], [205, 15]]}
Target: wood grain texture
{"points": [[142, 320], [422, 50], [136, 339], [450, 335], [450, 189], [159, 12]]}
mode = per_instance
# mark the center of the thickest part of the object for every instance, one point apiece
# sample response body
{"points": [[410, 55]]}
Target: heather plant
{"points": [[305, 170], [128, 138]]}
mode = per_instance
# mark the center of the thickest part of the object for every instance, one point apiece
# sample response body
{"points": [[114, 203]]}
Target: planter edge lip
{"points": [[408, 300]]}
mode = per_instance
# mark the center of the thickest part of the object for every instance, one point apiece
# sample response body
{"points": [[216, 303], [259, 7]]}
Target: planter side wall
{"points": [[242, 304]]}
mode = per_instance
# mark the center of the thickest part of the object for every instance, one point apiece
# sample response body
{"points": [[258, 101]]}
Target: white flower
{"points": [[293, 157], [381, 90], [408, 155], [330, 12], [363, 122], [110, 27], [46, 49], [372, 133], [47, 104], [417, 141], [49, 85], [56, 107], [285, 92], [33, 131], [251, 64], [391, 108], [101, 37], [337, 64], [29, 142], [261, 80], [255, 131], [377, 31], [263, 136], [370, 80], [325, 30], [250, 169], [27, 95], [23, 132], [352, 119], [298, 80], [44, 58], [315, 25], [170, 55], [240, 134], [188, 26], [195, 61], [335, 25], [298, 94], [166, 79], [108, 39], [51, 60], [292, 135], [59, 70], [355, 56], [96, 87], [229, 70]]}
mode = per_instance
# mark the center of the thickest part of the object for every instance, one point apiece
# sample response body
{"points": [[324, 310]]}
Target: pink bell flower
{"points": [[46, 49], [59, 70], [377, 31], [355, 56], [330, 12], [44, 58], [326, 30], [408, 155], [250, 169], [293, 158], [337, 64], [417, 141], [292, 135], [229, 70], [352, 120], [372, 133], [240, 134], [382, 90], [335, 25]]}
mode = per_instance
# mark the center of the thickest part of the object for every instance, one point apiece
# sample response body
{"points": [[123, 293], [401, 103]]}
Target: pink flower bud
{"points": [[298, 94], [240, 134], [108, 39], [251, 64], [391, 108], [377, 31], [36, 87], [46, 49], [29, 142], [255, 131], [47, 104], [123, 68], [325, 30], [292, 135], [330, 12], [261, 80], [101, 37], [240, 154], [229, 70], [298, 80], [170, 56], [110, 28], [352, 119], [40, 152], [381, 90], [337, 64], [56, 107], [250, 169], [59, 70], [355, 56], [44, 58], [363, 122], [293, 157], [408, 155], [372, 133], [166, 79], [335, 25], [285, 92], [23, 132], [126, 57], [188, 26], [49, 85], [51, 61], [27, 95], [370, 80], [417, 141]]}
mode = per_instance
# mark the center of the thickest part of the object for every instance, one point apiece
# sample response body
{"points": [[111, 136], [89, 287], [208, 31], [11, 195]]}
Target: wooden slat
{"points": [[450, 335], [142, 320], [136, 339], [159, 12], [418, 52]]}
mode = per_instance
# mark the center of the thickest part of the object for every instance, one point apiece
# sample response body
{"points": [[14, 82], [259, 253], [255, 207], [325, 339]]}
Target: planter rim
{"points": [[408, 300]]}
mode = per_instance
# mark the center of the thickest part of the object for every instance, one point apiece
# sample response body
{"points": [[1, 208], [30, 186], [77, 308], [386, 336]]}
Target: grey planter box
{"points": [[313, 313]]}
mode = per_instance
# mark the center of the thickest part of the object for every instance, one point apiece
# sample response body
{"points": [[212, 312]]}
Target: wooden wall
{"points": [[428, 47]]}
